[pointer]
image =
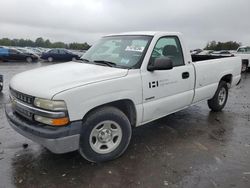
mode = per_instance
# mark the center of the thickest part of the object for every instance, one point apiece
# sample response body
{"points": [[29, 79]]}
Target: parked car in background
{"points": [[9, 54], [206, 52], [27, 51], [78, 52], [244, 53], [34, 50], [222, 53], [1, 82], [59, 55], [196, 51]]}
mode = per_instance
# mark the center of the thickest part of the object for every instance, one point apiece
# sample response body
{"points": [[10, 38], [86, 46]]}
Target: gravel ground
{"points": [[191, 148]]}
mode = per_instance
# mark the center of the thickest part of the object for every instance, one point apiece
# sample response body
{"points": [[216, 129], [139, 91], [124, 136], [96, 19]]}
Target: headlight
{"points": [[50, 104]]}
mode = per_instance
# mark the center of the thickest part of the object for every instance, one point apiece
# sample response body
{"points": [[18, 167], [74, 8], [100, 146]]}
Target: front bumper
{"points": [[56, 139]]}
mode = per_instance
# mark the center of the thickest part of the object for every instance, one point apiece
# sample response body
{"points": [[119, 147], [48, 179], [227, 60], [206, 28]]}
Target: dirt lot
{"points": [[191, 148]]}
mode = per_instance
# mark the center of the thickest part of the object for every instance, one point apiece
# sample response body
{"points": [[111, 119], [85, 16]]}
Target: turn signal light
{"points": [[54, 122], [60, 122]]}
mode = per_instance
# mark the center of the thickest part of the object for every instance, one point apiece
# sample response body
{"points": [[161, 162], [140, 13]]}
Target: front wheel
{"points": [[218, 102], [105, 135]]}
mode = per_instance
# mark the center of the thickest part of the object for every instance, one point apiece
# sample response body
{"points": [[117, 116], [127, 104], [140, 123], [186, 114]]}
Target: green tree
{"points": [[5, 42], [230, 45], [47, 43], [40, 42], [59, 45]]}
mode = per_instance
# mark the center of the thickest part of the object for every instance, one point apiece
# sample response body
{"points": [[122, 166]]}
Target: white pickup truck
{"points": [[123, 81], [244, 53]]}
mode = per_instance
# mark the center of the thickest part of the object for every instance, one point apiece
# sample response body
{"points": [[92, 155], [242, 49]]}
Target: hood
{"points": [[47, 81]]}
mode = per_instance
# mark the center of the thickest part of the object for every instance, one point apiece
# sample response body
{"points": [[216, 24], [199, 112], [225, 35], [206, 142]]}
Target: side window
{"points": [[54, 51], [168, 47], [62, 52], [12, 51]]}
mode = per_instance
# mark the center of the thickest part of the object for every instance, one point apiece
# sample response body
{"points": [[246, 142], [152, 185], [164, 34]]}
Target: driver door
{"points": [[166, 91]]}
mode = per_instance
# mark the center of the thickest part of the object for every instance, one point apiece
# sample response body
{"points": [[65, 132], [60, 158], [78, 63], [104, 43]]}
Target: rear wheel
{"points": [[73, 58], [105, 135], [218, 102], [50, 59], [29, 59], [244, 67]]}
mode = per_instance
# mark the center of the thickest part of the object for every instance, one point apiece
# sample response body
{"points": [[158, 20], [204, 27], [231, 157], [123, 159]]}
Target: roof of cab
{"points": [[149, 33]]}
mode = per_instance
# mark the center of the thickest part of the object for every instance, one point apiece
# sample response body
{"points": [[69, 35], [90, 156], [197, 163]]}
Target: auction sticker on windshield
{"points": [[134, 48]]}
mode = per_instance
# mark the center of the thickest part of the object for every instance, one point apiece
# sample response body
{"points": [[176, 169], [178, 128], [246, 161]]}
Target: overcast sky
{"points": [[87, 20]]}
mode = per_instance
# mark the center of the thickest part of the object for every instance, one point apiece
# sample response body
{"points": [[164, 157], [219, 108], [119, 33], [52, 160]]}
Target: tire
{"points": [[244, 67], [50, 59], [1, 88], [29, 59], [73, 59], [219, 100], [105, 135]]}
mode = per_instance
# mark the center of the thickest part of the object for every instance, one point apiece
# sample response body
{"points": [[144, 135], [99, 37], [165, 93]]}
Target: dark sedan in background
{"points": [[9, 54], [59, 55]]}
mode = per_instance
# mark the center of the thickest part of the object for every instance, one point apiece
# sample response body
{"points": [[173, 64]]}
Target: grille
{"points": [[24, 113], [22, 97], [26, 99]]}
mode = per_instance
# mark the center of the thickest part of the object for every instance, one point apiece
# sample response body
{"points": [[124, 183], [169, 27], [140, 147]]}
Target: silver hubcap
{"points": [[50, 59], [105, 137], [222, 96]]}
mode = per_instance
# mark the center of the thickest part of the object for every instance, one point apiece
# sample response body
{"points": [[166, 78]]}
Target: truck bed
{"points": [[209, 73]]}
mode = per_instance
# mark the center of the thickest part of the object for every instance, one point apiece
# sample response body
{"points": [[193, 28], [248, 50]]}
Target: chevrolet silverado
{"points": [[123, 81]]}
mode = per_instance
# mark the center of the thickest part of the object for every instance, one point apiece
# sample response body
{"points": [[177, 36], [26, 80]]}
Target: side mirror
{"points": [[161, 63]]}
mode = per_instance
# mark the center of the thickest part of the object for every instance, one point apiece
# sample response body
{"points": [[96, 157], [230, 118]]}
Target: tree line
{"points": [[230, 45], [40, 42]]}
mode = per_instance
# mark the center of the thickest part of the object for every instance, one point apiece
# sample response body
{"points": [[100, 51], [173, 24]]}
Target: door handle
{"points": [[185, 75]]}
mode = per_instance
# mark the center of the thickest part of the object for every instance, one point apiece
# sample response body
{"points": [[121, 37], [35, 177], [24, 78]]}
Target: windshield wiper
{"points": [[82, 59], [108, 63]]}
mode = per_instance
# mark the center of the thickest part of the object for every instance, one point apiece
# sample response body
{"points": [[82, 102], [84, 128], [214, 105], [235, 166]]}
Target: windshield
{"points": [[21, 50], [121, 51]]}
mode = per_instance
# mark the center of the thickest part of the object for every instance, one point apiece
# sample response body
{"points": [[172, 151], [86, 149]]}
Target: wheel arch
{"points": [[127, 106], [246, 61], [228, 78]]}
